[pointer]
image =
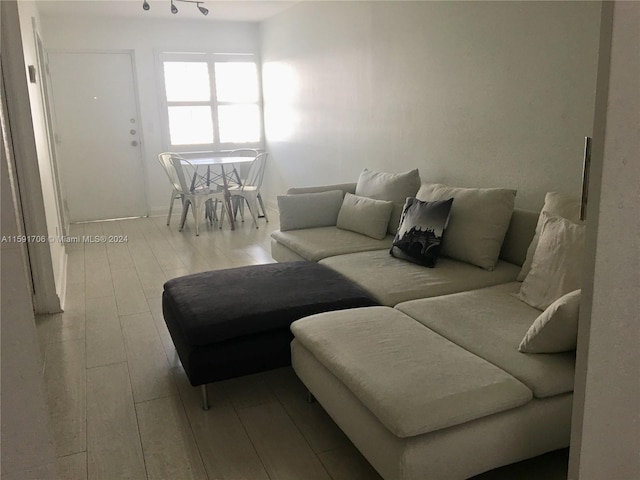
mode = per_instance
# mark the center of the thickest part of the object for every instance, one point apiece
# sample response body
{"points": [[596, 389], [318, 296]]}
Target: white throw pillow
{"points": [[392, 187], [556, 268], [309, 210], [556, 329], [479, 221], [365, 215], [556, 204]]}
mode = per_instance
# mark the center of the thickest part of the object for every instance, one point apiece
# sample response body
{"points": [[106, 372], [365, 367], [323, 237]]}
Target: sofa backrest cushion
{"points": [[478, 223], [365, 215], [559, 205], [519, 236], [556, 268], [309, 210], [392, 187], [345, 187]]}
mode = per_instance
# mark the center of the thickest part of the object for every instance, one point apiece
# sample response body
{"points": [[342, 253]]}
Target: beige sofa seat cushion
{"points": [[412, 379], [317, 243], [491, 322], [403, 281]]}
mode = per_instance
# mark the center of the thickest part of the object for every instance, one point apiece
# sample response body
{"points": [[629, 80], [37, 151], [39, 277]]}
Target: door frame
{"points": [[27, 172], [45, 90], [134, 75]]}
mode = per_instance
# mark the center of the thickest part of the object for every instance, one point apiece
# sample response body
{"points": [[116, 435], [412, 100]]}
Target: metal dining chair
{"points": [[249, 190], [192, 188]]}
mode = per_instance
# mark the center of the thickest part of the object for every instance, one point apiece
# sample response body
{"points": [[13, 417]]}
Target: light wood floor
{"points": [[121, 406]]}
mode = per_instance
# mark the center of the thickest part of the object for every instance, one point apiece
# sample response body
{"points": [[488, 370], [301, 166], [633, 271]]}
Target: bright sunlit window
{"points": [[212, 101]]}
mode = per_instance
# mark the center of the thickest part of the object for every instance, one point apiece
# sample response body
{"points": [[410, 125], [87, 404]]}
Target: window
{"points": [[212, 101]]}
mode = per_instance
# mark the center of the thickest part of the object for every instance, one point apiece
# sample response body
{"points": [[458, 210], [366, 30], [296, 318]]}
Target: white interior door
{"points": [[97, 135]]}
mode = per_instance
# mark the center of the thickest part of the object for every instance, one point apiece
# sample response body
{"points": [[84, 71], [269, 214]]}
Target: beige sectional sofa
{"points": [[432, 385]]}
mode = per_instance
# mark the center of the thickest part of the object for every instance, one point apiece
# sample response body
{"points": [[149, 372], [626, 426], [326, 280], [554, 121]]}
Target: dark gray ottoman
{"points": [[233, 322]]}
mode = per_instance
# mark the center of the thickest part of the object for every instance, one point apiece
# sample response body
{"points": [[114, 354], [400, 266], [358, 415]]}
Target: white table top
{"points": [[219, 160]]}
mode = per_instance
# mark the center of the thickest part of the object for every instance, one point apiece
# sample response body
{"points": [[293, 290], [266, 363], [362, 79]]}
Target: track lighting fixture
{"points": [[205, 11], [174, 9]]}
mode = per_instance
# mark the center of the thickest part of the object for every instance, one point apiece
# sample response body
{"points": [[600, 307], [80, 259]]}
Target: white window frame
{"points": [[211, 59]]}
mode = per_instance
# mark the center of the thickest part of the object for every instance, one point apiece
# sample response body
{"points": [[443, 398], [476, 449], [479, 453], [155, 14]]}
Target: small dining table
{"points": [[230, 174]]}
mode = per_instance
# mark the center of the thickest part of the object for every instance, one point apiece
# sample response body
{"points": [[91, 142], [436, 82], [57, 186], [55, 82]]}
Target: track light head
{"points": [[174, 9], [205, 11], [145, 5]]}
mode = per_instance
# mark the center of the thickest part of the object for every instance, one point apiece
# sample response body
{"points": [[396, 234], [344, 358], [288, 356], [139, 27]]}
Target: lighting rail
{"points": [[174, 9]]}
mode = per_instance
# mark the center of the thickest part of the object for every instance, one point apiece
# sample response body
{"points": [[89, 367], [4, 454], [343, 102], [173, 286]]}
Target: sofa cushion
{"points": [[404, 281], [308, 210], [412, 379], [365, 215], [317, 243], [393, 187], [555, 329], [421, 229], [479, 221], [556, 268], [491, 322], [556, 204]]}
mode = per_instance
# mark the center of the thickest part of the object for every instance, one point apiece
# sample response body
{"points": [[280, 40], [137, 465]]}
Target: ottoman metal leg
{"points": [[205, 399], [310, 397]]}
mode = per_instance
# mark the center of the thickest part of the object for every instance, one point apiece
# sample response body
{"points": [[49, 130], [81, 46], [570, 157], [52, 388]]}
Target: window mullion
{"points": [[214, 101]]}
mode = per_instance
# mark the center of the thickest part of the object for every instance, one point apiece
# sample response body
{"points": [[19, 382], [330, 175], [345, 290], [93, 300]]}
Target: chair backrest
{"points": [[243, 152], [173, 165], [256, 171]]}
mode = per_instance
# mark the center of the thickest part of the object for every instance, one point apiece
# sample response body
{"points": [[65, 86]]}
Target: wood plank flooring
{"points": [[121, 405]]}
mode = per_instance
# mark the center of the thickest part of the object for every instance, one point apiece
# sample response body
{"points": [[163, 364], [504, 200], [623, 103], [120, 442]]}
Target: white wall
{"points": [[146, 37], [471, 93], [606, 419]]}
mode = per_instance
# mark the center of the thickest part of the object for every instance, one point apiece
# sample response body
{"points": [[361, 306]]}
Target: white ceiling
{"points": [[233, 10]]}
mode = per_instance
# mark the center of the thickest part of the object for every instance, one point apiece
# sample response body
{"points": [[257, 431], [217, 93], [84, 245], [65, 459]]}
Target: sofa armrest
{"points": [[345, 187]]}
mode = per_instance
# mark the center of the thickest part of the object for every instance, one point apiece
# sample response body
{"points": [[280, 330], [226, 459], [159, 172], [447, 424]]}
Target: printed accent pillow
{"points": [[309, 210], [479, 221], [556, 329], [556, 268], [365, 215], [392, 187], [421, 230], [558, 205]]}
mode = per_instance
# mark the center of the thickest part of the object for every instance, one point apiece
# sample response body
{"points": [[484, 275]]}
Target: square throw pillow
{"points": [[556, 204], [308, 210], [421, 230], [556, 329], [479, 221], [392, 187], [556, 267], [365, 215]]}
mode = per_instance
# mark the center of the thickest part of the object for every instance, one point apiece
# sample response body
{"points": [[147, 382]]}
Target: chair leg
{"points": [[238, 204], [264, 210], [185, 210], [196, 214], [253, 209], [215, 210], [223, 210], [173, 198]]}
